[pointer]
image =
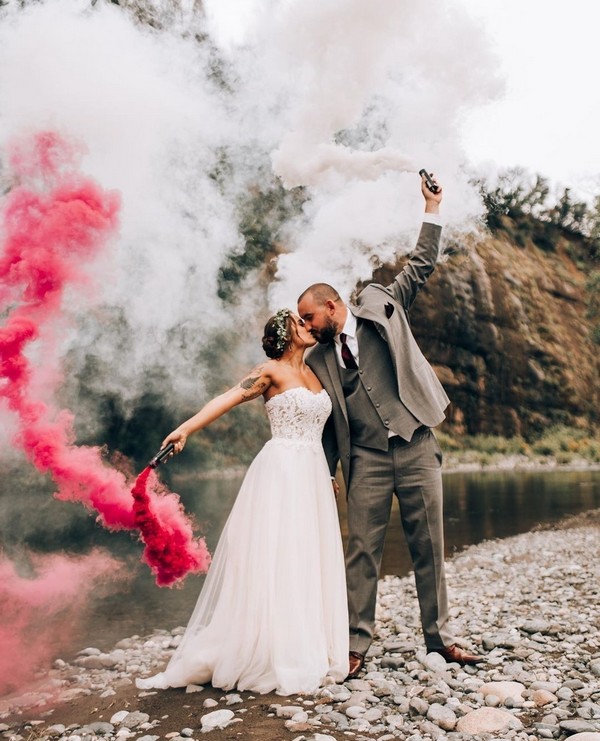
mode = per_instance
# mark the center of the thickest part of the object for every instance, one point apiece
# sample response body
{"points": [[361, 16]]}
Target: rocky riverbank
{"points": [[529, 604]]}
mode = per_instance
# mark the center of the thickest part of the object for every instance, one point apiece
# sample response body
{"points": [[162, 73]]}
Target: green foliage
{"points": [[515, 194], [261, 216], [566, 444], [560, 443], [517, 198]]}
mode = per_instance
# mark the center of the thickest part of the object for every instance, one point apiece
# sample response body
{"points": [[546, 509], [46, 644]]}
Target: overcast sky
{"points": [[549, 119]]}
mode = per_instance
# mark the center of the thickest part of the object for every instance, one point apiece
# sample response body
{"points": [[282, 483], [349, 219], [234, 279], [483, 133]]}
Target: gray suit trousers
{"points": [[411, 471]]}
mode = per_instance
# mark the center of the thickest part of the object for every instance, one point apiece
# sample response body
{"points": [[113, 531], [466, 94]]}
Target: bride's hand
{"points": [[178, 438], [336, 487]]}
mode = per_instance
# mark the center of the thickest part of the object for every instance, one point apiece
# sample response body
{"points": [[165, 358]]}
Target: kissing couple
{"points": [[282, 607]]}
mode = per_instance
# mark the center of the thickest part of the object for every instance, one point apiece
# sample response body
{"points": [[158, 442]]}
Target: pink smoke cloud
{"points": [[55, 223], [38, 612]]}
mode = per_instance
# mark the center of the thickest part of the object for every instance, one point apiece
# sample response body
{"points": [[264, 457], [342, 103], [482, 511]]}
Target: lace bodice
{"points": [[298, 414]]}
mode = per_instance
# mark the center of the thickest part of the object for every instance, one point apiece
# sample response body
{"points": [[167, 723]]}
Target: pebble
{"points": [[543, 697], [101, 729], [529, 604], [503, 690], [216, 719], [287, 711]]}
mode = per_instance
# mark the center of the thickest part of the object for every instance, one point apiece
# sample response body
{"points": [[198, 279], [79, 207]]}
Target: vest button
{"points": [[387, 423], [368, 388], [378, 405]]}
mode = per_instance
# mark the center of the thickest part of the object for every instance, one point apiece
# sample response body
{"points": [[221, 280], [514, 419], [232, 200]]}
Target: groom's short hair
{"points": [[320, 293]]}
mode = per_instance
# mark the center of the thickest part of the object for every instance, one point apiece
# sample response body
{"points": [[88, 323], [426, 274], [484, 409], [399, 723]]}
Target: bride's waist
{"points": [[295, 441]]}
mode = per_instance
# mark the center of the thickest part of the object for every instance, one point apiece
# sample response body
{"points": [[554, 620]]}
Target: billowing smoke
{"points": [[357, 97], [184, 116], [200, 116]]}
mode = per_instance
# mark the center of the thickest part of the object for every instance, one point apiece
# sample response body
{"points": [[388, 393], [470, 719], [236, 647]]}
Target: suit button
{"points": [[360, 372]]}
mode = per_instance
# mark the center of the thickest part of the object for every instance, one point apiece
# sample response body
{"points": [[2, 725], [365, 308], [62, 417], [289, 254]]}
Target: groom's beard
{"points": [[327, 334]]}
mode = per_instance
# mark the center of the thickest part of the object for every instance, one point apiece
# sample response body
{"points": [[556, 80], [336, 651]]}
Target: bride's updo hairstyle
{"points": [[278, 334]]}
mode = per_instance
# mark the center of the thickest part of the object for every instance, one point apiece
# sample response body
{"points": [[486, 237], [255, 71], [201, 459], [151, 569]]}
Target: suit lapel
{"points": [[333, 369], [381, 324]]}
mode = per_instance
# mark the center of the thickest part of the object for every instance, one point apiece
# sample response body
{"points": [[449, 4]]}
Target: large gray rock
{"points": [[487, 720], [577, 726]]}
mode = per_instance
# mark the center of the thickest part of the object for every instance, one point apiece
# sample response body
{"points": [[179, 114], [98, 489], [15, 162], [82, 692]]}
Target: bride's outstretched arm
{"points": [[250, 387]]}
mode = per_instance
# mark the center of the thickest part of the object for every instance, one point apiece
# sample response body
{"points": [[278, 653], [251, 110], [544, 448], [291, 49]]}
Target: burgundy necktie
{"points": [[347, 356]]}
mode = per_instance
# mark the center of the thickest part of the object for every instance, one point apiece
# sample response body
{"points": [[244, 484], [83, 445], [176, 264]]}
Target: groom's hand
{"points": [[432, 200]]}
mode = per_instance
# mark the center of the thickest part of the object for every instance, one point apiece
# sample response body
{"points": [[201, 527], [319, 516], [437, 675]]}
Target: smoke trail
{"points": [[55, 223], [290, 161], [38, 613]]}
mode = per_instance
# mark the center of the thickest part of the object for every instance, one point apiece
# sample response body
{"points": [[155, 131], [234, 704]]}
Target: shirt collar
{"points": [[350, 326]]}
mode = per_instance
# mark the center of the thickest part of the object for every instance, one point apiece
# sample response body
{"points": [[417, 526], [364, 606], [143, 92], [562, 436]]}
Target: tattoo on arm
{"points": [[247, 383], [255, 390], [253, 384]]}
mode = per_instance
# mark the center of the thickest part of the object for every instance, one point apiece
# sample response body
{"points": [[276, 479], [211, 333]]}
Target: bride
{"points": [[272, 615]]}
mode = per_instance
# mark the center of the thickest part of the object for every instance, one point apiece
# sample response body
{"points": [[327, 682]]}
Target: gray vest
{"points": [[371, 394]]}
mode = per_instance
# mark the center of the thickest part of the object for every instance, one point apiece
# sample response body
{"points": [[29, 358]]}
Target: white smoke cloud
{"points": [[393, 76], [396, 77]]}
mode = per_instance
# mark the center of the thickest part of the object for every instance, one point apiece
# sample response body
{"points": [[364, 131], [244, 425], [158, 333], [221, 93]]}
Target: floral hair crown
{"points": [[281, 330]]}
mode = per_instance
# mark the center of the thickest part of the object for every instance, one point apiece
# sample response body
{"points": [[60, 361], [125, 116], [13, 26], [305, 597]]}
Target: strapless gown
{"points": [[273, 615]]}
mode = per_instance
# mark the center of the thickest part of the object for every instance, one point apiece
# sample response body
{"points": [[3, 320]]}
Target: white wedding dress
{"points": [[272, 615]]}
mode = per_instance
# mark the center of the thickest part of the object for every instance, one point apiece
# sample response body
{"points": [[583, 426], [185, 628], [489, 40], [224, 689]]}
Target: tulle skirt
{"points": [[272, 615]]}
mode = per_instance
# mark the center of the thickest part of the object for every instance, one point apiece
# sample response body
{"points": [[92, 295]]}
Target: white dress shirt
{"points": [[351, 340]]}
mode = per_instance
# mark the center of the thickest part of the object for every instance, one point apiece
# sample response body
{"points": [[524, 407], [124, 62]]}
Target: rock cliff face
{"points": [[505, 328]]}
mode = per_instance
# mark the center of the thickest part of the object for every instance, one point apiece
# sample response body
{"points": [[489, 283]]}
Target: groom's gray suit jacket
{"points": [[387, 307]]}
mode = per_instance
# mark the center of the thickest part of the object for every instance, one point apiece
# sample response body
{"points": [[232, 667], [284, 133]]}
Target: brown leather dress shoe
{"points": [[456, 654], [356, 662]]}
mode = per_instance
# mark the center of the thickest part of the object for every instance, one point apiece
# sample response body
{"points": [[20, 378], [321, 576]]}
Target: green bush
{"points": [[563, 444]]}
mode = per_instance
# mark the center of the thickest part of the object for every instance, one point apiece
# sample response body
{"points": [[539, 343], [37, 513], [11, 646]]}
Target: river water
{"points": [[478, 506]]}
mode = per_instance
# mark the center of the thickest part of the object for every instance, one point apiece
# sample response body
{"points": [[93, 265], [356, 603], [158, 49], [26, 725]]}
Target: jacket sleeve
{"points": [[419, 267]]}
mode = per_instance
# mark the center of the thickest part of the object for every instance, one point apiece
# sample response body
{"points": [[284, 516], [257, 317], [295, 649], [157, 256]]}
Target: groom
{"points": [[386, 398]]}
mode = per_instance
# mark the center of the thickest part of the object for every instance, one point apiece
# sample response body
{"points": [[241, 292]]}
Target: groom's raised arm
{"points": [[423, 258]]}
